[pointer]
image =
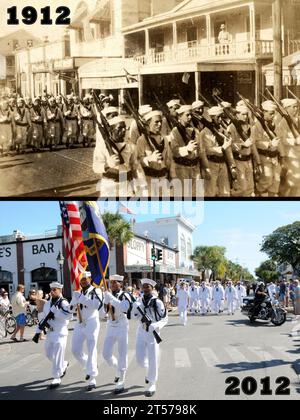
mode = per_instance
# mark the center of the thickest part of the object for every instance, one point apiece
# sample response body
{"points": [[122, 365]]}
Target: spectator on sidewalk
{"points": [[19, 306], [4, 302], [40, 302], [282, 292], [297, 297]]}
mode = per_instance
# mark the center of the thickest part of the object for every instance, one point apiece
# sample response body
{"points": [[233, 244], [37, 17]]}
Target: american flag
{"points": [[74, 246]]}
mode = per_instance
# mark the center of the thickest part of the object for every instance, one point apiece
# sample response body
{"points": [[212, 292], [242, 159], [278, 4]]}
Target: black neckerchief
{"points": [[19, 111], [146, 300], [185, 137], [37, 110], [160, 147]]}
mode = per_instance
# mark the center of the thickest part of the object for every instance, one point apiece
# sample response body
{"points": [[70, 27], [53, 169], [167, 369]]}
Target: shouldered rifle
{"points": [[166, 112], [293, 95], [204, 99], [147, 320], [259, 116], [283, 112], [44, 323]]}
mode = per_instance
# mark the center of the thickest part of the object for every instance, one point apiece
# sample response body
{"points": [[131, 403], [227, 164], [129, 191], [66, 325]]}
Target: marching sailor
{"points": [[147, 349], [218, 296], [231, 297], [204, 297], [118, 306], [194, 297], [183, 298], [241, 293], [57, 334], [87, 302]]}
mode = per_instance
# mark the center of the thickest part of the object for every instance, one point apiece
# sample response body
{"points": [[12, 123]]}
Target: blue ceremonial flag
{"points": [[95, 240]]}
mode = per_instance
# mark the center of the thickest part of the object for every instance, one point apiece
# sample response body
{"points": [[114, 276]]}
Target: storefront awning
{"points": [[102, 11], [77, 20], [109, 73], [290, 68]]}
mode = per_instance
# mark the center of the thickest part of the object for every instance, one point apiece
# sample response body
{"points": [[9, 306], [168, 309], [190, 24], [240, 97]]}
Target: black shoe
{"points": [[149, 394], [116, 379], [146, 381], [119, 391], [91, 387], [87, 377], [54, 386], [65, 371]]}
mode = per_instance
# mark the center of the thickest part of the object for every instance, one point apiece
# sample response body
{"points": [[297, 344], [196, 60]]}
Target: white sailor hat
{"points": [[56, 285], [152, 114], [242, 109], [215, 111], [197, 104], [148, 281], [116, 120], [110, 110], [145, 109], [269, 106], [116, 277], [286, 103], [241, 103], [192, 281], [183, 109], [226, 104], [173, 102], [86, 274], [36, 99]]}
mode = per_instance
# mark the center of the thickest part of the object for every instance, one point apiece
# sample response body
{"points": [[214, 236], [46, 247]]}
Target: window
{"points": [[189, 247], [6, 277], [183, 246], [44, 275]]}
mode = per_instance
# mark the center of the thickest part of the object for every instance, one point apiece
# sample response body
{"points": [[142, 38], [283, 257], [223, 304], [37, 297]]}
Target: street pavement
{"points": [[60, 173], [194, 362]]}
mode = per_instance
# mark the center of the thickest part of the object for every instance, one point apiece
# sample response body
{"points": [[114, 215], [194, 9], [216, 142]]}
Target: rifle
{"points": [[204, 99], [166, 112], [293, 95], [283, 112], [43, 324], [105, 130], [258, 114], [146, 320]]}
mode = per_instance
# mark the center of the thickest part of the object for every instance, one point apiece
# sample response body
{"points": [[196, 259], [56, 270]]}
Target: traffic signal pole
{"points": [[153, 257]]}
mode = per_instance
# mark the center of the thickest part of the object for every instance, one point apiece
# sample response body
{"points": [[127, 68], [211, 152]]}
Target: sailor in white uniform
{"points": [[87, 302], [147, 348], [118, 305], [183, 298]]}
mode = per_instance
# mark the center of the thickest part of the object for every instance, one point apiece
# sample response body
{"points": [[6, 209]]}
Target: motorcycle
{"points": [[270, 310]]}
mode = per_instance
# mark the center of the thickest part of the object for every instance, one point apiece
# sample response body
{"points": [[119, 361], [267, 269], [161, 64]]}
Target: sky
{"points": [[238, 225], [38, 30]]}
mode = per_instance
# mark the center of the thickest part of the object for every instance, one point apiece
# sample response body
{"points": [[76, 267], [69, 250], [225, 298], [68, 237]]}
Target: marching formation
{"points": [[171, 149], [208, 297], [90, 304]]}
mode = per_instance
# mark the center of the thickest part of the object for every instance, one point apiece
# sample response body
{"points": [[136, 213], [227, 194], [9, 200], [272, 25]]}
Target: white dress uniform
{"points": [[218, 296], [241, 293], [231, 298], [204, 296], [56, 338], [183, 302], [91, 302], [194, 298], [147, 349], [117, 332]]}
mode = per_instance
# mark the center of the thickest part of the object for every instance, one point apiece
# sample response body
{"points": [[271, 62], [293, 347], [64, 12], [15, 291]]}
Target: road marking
{"points": [[261, 354], [182, 359], [209, 356], [236, 355], [282, 351], [32, 358]]}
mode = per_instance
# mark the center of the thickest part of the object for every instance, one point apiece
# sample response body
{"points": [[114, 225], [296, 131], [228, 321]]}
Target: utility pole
{"points": [[277, 48]]}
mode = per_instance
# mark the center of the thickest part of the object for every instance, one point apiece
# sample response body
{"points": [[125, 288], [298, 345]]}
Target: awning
{"points": [[109, 73], [290, 68], [80, 14], [102, 11]]}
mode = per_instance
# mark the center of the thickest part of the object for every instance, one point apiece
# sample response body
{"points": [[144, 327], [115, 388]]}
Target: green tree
{"points": [[267, 271], [118, 229], [283, 245], [210, 257]]}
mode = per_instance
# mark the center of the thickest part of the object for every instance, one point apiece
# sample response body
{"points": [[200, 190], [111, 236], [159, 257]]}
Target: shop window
{"points": [[6, 276], [43, 275]]}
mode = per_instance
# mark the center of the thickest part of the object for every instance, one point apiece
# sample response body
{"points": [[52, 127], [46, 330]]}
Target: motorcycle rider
{"points": [[260, 296]]}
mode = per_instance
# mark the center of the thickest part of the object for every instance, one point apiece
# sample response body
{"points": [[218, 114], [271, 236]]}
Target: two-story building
{"points": [[9, 45], [202, 44]]}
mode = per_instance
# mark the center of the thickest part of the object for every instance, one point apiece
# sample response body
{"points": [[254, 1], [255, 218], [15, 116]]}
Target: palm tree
{"points": [[119, 231]]}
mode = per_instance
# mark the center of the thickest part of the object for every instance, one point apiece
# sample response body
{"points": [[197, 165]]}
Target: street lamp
{"points": [[60, 261]]}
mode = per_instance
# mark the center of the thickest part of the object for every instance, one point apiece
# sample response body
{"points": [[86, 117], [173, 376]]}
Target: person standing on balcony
{"points": [[291, 150], [189, 156], [270, 152], [224, 36], [154, 153]]}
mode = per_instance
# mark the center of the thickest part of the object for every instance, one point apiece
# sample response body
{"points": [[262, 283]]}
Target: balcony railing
{"points": [[194, 51]]}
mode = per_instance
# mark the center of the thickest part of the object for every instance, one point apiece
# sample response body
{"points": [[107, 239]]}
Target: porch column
{"points": [[277, 48], [175, 40], [258, 82], [147, 43], [197, 85], [208, 29], [141, 89], [252, 27]]}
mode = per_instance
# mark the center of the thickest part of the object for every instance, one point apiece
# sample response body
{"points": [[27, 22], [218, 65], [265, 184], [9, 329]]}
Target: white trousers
{"points": [[147, 352], [194, 304], [55, 351], [204, 305], [240, 301], [87, 332], [116, 335], [216, 305], [182, 310], [231, 306]]}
